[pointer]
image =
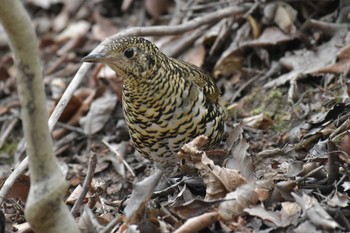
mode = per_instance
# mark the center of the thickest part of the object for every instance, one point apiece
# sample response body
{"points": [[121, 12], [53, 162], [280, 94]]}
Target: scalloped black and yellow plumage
{"points": [[166, 102]]}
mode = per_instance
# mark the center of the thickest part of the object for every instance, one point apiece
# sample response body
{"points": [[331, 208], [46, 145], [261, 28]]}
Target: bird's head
{"points": [[131, 57]]}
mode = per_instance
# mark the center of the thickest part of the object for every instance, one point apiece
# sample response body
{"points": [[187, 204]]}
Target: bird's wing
{"points": [[204, 81]]}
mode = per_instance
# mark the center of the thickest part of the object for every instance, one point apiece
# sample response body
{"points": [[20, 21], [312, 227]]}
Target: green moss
{"points": [[273, 104], [7, 151], [257, 110], [274, 93]]}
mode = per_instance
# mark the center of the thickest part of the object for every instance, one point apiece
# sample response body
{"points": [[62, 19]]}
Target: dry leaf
{"points": [[255, 25], [288, 215], [290, 208], [19, 189], [190, 151], [346, 185], [103, 27], [277, 218], [60, 22], [156, 7], [285, 17], [219, 180], [198, 223], [304, 62], [243, 197], [74, 30], [260, 121], [195, 55], [99, 113], [239, 158], [74, 195], [338, 200], [307, 227], [315, 212], [75, 114], [194, 207]]}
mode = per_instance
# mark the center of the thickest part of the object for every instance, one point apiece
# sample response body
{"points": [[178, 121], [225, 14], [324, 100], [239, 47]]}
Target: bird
{"points": [[166, 102]]}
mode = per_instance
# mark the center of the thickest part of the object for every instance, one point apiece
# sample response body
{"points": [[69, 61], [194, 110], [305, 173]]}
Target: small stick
{"points": [[87, 182], [119, 157]]}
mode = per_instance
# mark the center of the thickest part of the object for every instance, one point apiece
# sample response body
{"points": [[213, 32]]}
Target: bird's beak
{"points": [[95, 58]]}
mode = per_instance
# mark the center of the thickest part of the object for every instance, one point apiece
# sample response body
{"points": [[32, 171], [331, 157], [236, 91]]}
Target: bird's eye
{"points": [[129, 53]]}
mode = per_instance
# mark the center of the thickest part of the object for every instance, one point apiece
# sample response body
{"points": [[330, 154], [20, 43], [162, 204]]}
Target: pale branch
{"points": [[45, 209], [195, 23]]}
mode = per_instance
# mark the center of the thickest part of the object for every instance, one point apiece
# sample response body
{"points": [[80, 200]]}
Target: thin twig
{"points": [[111, 225], [121, 158], [311, 173], [209, 18], [7, 131], [87, 182], [186, 42], [168, 189], [93, 221]]}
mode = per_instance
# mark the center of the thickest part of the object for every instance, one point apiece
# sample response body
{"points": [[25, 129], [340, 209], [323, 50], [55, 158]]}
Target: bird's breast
{"points": [[161, 122]]}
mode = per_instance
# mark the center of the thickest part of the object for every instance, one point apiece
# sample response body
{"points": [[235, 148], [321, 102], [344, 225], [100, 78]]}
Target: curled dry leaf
{"points": [[190, 151], [142, 192], [315, 212], [194, 207], [74, 103], [230, 64], [285, 17], [282, 218], [22, 227], [219, 180], [282, 14], [282, 191], [270, 36], [198, 223], [239, 158], [86, 221], [244, 196], [255, 25]]}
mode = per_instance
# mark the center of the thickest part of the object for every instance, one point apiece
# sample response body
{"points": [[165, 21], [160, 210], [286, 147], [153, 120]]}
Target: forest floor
{"points": [[282, 67]]}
